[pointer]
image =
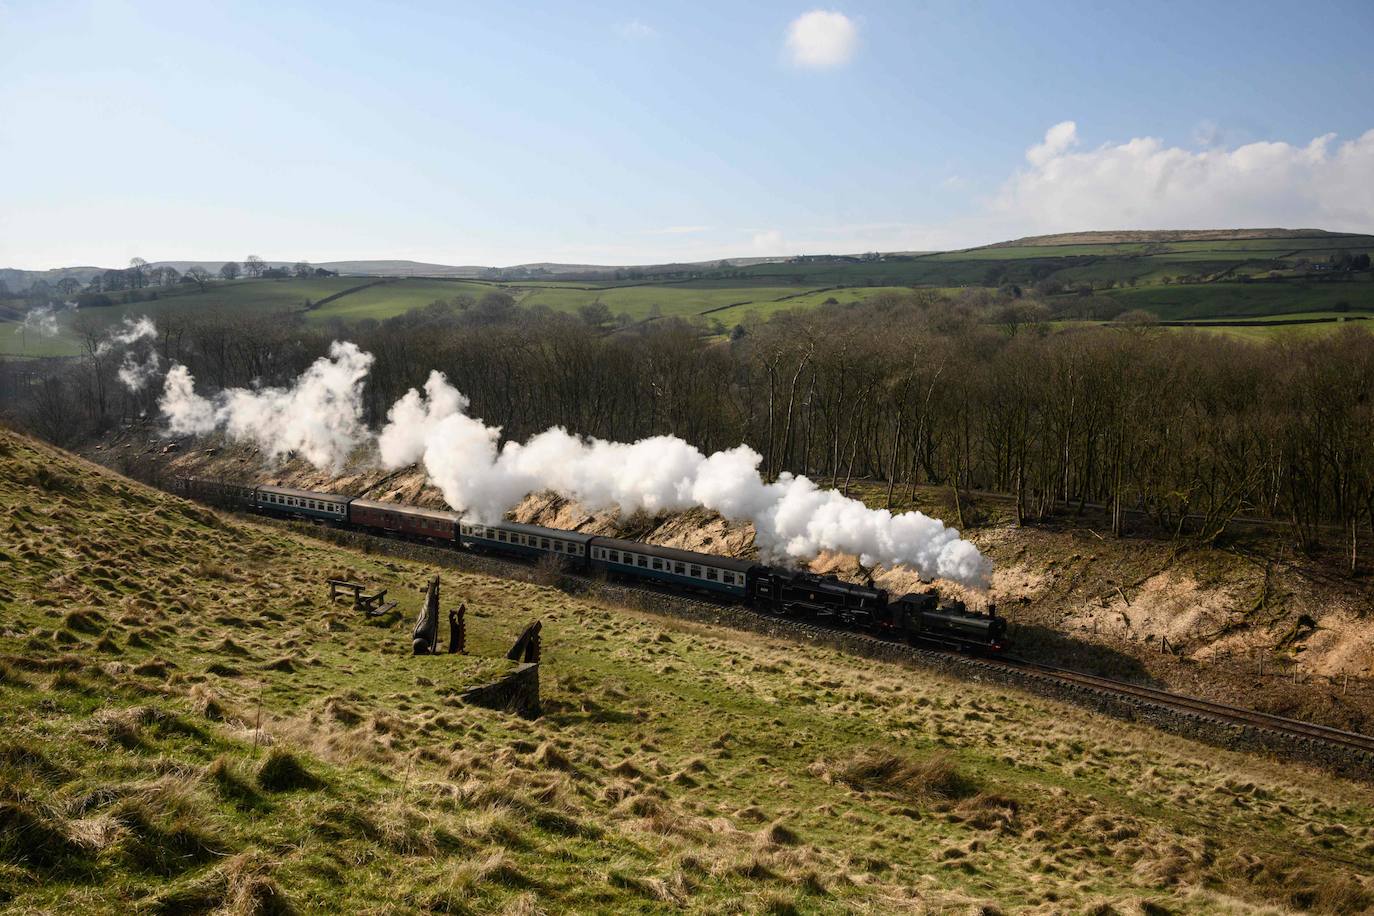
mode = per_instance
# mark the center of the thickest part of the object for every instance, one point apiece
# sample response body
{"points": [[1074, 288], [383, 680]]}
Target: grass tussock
{"points": [[282, 771], [31, 837], [242, 886], [936, 776]]}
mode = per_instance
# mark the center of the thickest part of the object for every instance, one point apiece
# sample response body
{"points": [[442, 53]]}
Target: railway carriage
{"points": [[276, 500], [683, 568], [410, 521], [215, 492], [527, 541]]}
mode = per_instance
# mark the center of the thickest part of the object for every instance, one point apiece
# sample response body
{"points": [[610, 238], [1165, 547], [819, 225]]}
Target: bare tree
{"points": [[253, 265], [138, 273], [199, 275], [229, 270]]}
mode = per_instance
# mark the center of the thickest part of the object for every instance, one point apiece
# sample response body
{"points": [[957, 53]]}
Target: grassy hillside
{"points": [[1230, 300], [190, 726]]}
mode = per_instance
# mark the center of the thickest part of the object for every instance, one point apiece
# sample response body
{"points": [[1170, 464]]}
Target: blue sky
{"points": [[623, 133]]}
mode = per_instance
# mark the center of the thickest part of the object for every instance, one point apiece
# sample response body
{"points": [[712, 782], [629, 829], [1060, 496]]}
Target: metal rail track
{"points": [[1219, 711]]}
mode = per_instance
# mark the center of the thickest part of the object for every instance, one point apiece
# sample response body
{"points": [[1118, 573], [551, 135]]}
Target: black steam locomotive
{"points": [[769, 589]]}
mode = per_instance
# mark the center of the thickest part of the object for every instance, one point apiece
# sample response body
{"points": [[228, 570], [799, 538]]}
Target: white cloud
{"points": [[1058, 139], [1144, 184], [634, 30], [821, 39], [770, 241]]}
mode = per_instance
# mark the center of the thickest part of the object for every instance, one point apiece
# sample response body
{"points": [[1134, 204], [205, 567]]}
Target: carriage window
{"points": [[696, 571], [643, 561], [679, 568], [658, 564], [710, 574]]}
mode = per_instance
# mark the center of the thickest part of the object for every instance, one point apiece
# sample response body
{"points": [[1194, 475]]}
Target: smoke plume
{"points": [[135, 374], [319, 417], [128, 333], [41, 321], [794, 519]]}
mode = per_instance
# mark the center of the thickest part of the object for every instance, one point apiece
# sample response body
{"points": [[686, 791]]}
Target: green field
{"points": [[395, 297], [1224, 300], [641, 302]]}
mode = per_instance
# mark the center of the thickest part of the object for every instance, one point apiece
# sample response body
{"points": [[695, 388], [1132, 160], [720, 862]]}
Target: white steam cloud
{"points": [[41, 321], [128, 333], [135, 374], [133, 335], [319, 417], [793, 518]]}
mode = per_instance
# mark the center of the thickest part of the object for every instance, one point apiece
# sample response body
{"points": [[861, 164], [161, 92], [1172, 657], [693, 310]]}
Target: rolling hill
{"points": [[1183, 275]]}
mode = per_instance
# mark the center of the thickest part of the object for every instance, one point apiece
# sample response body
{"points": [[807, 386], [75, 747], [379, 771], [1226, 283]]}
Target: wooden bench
{"points": [[340, 586], [371, 605]]}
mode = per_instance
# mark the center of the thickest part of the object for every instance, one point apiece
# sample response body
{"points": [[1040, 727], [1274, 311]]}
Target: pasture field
{"points": [[395, 297], [191, 726], [807, 300], [1225, 300], [1290, 326], [640, 302]]}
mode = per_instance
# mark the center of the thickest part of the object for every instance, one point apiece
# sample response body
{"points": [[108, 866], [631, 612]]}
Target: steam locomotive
{"points": [[769, 589]]}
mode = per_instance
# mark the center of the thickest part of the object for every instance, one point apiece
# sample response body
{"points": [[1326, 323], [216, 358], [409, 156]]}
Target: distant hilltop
{"points": [[16, 281], [1127, 236]]}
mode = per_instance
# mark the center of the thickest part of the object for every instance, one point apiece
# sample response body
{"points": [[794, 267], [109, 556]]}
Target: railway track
{"points": [[1348, 753], [1220, 711]]}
